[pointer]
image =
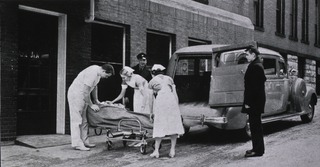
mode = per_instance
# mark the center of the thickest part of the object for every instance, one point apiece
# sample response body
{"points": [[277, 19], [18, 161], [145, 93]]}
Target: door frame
{"points": [[61, 64]]}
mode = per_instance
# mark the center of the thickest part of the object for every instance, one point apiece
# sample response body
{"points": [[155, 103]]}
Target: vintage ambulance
{"points": [[210, 85]]}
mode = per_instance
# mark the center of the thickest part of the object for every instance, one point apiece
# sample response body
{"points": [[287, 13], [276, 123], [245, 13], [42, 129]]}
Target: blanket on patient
{"points": [[110, 115]]}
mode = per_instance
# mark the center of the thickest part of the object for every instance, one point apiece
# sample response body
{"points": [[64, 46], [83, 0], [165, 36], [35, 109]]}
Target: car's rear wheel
{"points": [[308, 117]]}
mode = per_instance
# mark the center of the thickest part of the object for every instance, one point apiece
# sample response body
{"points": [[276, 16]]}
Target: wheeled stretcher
{"points": [[120, 124]]}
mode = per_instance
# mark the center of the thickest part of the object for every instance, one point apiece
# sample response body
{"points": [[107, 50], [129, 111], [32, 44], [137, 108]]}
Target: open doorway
{"points": [[37, 73]]}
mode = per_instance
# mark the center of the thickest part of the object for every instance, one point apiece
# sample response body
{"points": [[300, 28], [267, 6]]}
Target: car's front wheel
{"points": [[308, 117]]}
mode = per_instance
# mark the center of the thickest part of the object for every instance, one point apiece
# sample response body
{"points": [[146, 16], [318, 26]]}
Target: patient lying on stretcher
{"points": [[110, 115]]}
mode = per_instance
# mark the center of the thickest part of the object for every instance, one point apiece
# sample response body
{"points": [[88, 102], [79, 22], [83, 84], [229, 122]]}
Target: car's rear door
{"points": [[227, 81]]}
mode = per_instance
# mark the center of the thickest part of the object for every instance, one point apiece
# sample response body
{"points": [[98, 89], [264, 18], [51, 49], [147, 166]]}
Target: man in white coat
{"points": [[79, 98]]}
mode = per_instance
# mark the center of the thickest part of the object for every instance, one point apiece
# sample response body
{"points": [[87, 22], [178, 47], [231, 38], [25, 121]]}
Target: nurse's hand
{"points": [[95, 107]]}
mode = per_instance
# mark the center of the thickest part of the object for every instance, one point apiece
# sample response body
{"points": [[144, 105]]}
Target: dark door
{"points": [[37, 73], [318, 78]]}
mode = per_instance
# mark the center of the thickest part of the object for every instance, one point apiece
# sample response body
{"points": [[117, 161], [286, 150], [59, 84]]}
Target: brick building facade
{"points": [[288, 27], [45, 44]]}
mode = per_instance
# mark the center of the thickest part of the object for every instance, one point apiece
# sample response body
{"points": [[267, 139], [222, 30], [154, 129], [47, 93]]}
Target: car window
{"points": [[282, 69], [231, 58], [270, 66], [194, 66]]}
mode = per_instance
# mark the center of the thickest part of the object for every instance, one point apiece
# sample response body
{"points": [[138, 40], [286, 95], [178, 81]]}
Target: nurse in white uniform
{"points": [[142, 97]]}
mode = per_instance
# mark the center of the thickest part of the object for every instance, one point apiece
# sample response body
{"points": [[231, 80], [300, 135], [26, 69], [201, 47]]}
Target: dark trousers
{"points": [[256, 133]]}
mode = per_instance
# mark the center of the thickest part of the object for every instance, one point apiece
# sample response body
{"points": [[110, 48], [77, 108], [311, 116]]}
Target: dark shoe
{"points": [[253, 154]]}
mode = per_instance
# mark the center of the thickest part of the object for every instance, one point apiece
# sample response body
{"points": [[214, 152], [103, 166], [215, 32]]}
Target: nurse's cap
{"points": [[128, 69], [157, 67]]}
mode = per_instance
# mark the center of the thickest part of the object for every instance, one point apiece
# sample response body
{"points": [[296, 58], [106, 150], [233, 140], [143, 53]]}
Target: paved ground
{"points": [[288, 143]]}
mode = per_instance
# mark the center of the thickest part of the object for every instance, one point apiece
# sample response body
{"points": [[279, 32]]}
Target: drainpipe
{"points": [[91, 12]]}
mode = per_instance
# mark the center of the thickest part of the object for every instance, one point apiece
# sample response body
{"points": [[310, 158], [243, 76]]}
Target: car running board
{"points": [[282, 116]]}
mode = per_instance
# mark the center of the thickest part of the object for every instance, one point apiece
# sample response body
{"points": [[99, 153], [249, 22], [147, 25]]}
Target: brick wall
{"points": [[9, 57], [239, 6], [310, 73], [142, 15], [284, 44], [309, 68]]}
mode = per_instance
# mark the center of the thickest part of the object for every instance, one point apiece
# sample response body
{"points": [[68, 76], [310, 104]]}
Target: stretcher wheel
{"points": [[109, 145], [98, 132], [143, 149]]}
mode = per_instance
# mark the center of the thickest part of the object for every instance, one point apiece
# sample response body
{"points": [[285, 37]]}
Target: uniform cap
{"points": [[141, 56], [253, 49]]}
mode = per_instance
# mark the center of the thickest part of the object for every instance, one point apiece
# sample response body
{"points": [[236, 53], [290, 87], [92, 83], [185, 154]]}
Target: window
{"points": [[107, 47], [280, 18], [232, 58], [159, 47], [282, 69], [317, 25], [294, 22], [206, 2], [258, 11], [305, 22], [269, 66]]}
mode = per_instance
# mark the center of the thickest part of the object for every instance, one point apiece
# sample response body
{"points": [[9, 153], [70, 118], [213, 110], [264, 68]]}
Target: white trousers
{"points": [[78, 119]]}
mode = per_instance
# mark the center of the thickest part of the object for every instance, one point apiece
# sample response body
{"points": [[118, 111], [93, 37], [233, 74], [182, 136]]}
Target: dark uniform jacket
{"points": [[145, 72], [254, 93]]}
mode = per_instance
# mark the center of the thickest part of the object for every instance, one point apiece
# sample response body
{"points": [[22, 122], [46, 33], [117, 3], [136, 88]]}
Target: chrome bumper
{"points": [[202, 119]]}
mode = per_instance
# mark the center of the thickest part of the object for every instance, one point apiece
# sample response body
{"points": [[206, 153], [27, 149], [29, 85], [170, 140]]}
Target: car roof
{"points": [[198, 49], [207, 49]]}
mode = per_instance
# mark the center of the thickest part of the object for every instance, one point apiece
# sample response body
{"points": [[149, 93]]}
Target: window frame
{"points": [[280, 18], [305, 22], [294, 21], [259, 15], [317, 24]]}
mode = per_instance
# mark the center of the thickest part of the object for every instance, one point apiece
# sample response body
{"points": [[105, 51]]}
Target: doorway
{"points": [[37, 73]]}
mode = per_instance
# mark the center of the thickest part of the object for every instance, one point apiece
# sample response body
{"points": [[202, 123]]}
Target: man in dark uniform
{"points": [[254, 100], [141, 69]]}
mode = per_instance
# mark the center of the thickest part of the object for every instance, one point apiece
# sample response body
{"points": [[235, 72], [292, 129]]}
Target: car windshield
{"points": [[232, 58]]}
